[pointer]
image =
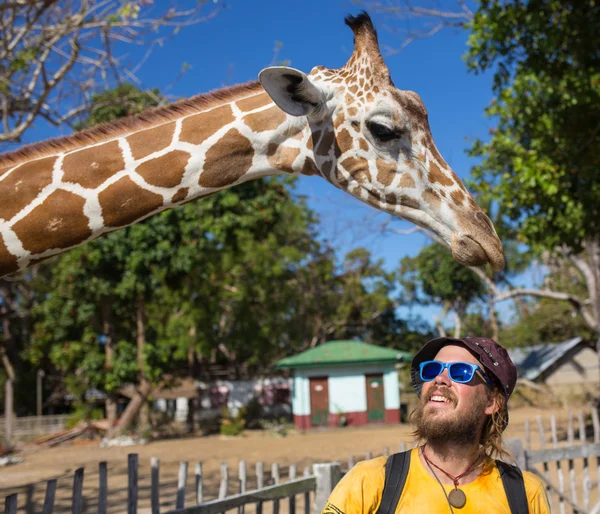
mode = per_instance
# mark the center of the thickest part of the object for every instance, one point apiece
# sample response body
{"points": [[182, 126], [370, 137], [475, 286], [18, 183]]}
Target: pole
{"points": [[40, 375], [8, 414]]}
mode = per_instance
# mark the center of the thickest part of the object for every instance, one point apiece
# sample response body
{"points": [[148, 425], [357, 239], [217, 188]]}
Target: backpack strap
{"points": [[396, 471], [514, 487]]}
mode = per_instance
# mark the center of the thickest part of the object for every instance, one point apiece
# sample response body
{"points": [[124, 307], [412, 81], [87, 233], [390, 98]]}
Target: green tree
{"points": [[433, 278], [540, 164]]}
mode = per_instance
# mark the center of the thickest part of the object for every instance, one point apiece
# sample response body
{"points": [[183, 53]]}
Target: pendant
{"points": [[457, 498]]}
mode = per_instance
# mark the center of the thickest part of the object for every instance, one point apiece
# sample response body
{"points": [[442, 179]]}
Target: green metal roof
{"points": [[344, 352]]}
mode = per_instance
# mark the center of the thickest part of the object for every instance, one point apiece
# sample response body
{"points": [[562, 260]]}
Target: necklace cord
{"points": [[454, 479], [438, 480]]}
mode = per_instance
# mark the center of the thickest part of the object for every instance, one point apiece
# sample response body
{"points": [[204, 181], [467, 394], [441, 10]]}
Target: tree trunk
{"points": [[138, 402], [494, 320], [458, 324], [109, 332]]}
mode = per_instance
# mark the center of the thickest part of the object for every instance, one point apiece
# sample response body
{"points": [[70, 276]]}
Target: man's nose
{"points": [[443, 378]]}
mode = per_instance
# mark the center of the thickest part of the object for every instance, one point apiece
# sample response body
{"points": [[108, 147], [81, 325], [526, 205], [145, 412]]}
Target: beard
{"points": [[455, 428]]}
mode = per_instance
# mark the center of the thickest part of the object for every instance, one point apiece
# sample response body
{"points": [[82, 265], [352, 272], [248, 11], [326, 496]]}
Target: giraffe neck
{"points": [[65, 199]]}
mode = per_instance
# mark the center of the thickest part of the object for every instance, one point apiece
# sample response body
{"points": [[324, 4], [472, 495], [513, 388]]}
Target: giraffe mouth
{"points": [[465, 249], [469, 252]]}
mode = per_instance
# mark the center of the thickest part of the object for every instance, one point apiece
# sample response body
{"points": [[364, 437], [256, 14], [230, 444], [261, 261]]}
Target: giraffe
{"points": [[350, 126]]}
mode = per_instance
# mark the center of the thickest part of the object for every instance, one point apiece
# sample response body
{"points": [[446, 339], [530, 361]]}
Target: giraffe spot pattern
{"points": [[458, 197], [282, 157], [339, 119], [407, 181], [253, 102], [61, 213], [180, 195], [124, 202], [344, 141], [409, 201], [165, 171], [326, 143], [436, 176], [357, 167], [198, 128], [362, 143], [386, 171], [18, 189], [227, 160], [433, 199], [309, 167], [391, 199], [269, 119], [8, 262], [91, 167], [313, 139], [152, 140]]}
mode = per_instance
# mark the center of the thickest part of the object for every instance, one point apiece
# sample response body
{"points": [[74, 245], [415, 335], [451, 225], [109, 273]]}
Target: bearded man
{"points": [[459, 465]]}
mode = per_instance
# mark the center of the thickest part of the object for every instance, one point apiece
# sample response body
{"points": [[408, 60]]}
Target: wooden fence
{"points": [[569, 466], [565, 456], [318, 483], [30, 427]]}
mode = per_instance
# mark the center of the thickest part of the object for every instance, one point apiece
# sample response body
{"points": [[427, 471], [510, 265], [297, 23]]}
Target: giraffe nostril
{"points": [[481, 217]]}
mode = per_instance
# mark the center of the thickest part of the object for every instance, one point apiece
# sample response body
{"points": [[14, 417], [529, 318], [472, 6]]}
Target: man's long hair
{"points": [[491, 443]]}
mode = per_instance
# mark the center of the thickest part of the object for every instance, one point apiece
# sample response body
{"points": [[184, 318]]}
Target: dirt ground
{"points": [[300, 448]]}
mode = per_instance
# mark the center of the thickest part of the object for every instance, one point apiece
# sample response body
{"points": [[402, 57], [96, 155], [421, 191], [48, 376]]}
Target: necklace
{"points": [[457, 497]]}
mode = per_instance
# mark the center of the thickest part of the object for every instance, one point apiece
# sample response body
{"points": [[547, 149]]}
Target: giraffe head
{"points": [[374, 141]]}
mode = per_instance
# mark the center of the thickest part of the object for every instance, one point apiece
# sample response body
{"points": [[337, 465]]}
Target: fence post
{"points": [[154, 485], [132, 483], [327, 475], [102, 487], [8, 413], [517, 449]]}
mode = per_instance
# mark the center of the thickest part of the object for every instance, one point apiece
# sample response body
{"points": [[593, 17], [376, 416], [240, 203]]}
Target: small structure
{"points": [[568, 368], [345, 383]]}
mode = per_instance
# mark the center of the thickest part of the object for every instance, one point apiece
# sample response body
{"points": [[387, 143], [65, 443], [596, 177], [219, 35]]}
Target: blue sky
{"points": [[235, 45]]}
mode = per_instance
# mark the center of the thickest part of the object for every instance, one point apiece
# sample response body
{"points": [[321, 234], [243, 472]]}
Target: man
{"points": [[463, 387]]}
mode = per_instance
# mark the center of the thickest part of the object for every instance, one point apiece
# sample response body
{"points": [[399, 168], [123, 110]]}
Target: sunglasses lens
{"points": [[461, 372], [431, 370]]}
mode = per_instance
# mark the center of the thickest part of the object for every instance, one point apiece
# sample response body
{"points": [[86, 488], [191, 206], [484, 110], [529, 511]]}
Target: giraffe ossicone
{"points": [[350, 125]]}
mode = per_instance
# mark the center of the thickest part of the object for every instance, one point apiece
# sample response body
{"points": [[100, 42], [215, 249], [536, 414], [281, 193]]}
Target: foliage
{"points": [[232, 425], [120, 102], [83, 413], [541, 162], [434, 277], [278, 428]]}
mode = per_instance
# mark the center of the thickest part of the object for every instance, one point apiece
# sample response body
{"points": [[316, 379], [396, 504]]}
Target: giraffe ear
{"points": [[291, 90]]}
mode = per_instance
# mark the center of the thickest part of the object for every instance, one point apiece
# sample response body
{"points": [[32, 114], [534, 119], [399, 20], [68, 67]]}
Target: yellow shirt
{"points": [[359, 492]]}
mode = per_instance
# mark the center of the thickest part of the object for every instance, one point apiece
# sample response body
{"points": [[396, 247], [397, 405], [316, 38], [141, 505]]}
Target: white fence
{"points": [[31, 427]]}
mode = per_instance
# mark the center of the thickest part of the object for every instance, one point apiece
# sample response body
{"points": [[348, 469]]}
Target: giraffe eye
{"points": [[381, 132]]}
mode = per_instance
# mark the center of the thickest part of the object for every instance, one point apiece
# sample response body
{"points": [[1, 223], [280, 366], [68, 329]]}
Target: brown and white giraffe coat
{"points": [[63, 193]]}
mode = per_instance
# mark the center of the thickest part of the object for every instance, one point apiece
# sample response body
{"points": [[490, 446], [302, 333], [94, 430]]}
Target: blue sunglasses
{"points": [[461, 372]]}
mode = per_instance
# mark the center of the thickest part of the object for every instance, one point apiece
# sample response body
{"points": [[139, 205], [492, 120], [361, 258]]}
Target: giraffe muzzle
{"points": [[469, 252]]}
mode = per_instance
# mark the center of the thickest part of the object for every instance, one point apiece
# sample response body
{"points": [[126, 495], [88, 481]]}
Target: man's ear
{"points": [[291, 90], [493, 404]]}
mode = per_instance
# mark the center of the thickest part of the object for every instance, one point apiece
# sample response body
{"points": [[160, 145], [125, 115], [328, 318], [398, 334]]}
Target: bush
{"points": [[232, 425], [83, 413]]}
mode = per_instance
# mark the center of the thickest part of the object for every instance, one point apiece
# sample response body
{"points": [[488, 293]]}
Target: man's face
{"points": [[450, 411]]}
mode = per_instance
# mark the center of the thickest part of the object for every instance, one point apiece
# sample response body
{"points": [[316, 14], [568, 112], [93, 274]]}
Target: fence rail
{"points": [[33, 426], [566, 468], [273, 492]]}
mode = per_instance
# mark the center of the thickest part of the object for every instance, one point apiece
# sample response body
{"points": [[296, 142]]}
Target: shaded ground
{"points": [[301, 449]]}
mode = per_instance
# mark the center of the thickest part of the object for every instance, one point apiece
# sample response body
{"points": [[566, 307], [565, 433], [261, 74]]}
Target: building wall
{"points": [[236, 394], [347, 393], [581, 370]]}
